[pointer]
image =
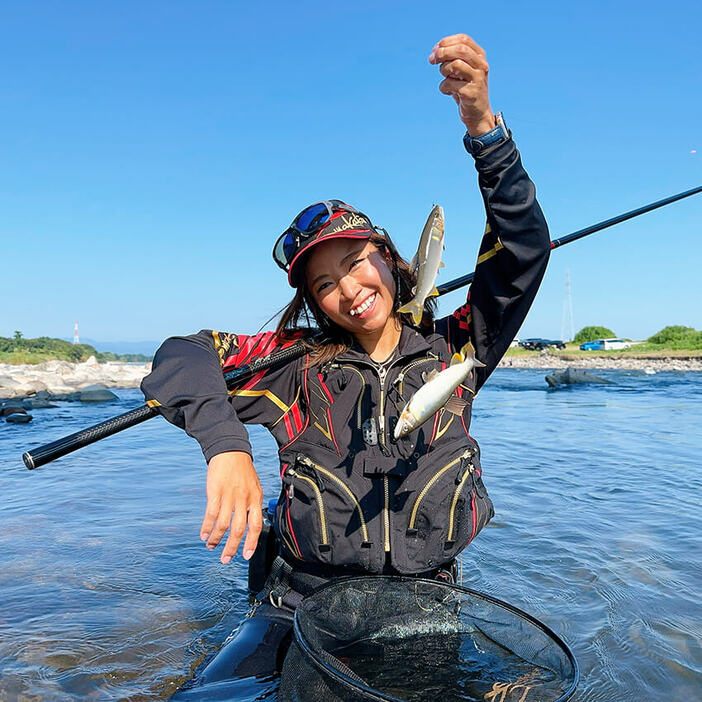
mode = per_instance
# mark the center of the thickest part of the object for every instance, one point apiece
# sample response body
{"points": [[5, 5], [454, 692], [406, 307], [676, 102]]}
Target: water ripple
{"points": [[108, 593]]}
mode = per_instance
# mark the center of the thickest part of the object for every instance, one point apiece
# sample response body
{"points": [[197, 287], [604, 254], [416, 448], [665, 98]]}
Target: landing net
{"points": [[392, 638]]}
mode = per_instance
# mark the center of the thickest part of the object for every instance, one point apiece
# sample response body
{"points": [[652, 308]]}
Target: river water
{"points": [[107, 592]]}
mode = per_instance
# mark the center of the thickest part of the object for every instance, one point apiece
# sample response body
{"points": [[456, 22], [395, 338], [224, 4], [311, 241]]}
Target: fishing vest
{"points": [[354, 497]]}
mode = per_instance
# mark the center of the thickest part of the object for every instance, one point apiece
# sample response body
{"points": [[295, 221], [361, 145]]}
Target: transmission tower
{"points": [[76, 339], [567, 324]]}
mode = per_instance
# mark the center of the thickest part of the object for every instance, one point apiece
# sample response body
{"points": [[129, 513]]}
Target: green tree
{"points": [[677, 337], [18, 336], [591, 333]]}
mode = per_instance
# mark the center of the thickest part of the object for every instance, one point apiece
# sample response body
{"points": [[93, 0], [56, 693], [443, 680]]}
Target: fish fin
{"points": [[414, 263], [413, 308], [442, 265], [456, 405], [434, 292], [456, 358], [427, 377]]}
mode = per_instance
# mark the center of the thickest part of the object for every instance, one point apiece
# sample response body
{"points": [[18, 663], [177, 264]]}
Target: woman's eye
{"points": [[356, 262], [323, 286]]}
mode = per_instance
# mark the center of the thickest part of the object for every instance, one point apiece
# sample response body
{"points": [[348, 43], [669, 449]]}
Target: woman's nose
{"points": [[349, 287]]}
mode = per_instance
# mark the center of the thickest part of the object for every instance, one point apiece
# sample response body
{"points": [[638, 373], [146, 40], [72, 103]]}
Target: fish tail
{"points": [[413, 308]]}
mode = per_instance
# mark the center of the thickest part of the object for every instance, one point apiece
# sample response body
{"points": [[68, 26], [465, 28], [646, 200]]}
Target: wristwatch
{"points": [[476, 144]]}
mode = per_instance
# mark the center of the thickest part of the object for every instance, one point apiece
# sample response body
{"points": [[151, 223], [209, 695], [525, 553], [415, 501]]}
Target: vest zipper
{"points": [[320, 504], [454, 501], [382, 373], [434, 478], [401, 377], [311, 464], [359, 402]]}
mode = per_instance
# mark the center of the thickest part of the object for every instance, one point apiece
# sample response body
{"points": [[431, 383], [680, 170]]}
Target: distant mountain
{"points": [[148, 348]]}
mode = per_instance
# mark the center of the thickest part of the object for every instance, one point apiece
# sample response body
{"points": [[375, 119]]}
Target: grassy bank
{"points": [[31, 351]]}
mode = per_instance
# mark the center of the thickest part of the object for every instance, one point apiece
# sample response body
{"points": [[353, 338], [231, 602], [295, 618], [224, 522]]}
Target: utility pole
{"points": [[76, 339], [567, 323]]}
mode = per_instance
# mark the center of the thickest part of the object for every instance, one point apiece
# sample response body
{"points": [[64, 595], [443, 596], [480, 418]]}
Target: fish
{"points": [[437, 392], [427, 262]]}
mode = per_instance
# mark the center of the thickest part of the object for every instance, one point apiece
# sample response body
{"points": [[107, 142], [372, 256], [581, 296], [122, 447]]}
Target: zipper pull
{"points": [[291, 485], [467, 454], [311, 471]]}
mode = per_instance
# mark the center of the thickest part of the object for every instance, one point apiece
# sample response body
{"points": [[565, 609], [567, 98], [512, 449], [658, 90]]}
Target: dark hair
{"points": [[296, 317]]}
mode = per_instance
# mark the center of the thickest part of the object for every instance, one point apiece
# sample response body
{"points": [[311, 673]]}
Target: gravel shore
{"points": [[59, 377], [547, 359]]}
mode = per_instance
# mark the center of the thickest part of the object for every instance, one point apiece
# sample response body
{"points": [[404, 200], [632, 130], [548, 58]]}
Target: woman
{"points": [[353, 500]]}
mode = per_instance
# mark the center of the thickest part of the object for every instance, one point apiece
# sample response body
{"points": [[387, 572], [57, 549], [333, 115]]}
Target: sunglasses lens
{"points": [[284, 249], [289, 246], [313, 217]]}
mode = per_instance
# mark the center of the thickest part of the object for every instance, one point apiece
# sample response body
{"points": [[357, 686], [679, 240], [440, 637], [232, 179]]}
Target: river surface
{"points": [[107, 593]]}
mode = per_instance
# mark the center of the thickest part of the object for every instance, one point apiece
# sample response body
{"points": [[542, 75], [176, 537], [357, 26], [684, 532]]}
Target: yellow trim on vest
{"points": [[442, 430], [153, 403], [289, 408], [489, 254], [262, 393]]}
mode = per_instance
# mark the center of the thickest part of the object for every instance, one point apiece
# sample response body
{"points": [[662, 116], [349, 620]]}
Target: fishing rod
{"points": [[67, 444], [604, 224]]}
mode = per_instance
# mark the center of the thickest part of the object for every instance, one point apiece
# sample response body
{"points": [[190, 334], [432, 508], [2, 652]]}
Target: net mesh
{"points": [[391, 638]]}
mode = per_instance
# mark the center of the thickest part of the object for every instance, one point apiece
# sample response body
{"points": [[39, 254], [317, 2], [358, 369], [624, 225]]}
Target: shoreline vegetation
{"points": [[18, 350]]}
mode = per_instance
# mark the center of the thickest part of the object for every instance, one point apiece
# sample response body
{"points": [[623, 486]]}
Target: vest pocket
{"points": [[470, 511], [320, 517], [445, 511]]}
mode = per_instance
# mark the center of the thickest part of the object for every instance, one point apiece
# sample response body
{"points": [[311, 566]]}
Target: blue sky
{"points": [[151, 152]]}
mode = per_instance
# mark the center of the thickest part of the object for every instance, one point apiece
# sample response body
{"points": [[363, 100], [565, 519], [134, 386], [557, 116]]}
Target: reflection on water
{"points": [[107, 592]]}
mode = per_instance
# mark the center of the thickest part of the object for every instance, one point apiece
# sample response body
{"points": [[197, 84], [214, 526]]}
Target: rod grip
{"points": [[67, 444]]}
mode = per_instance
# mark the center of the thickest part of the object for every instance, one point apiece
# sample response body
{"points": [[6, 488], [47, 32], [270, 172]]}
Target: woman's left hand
{"points": [[463, 64]]}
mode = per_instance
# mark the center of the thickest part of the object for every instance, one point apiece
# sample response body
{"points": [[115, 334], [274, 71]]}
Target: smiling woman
{"points": [[357, 497], [353, 287]]}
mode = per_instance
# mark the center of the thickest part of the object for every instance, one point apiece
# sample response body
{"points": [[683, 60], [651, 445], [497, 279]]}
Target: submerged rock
{"points": [[572, 376], [38, 403], [15, 406], [96, 393], [19, 417]]}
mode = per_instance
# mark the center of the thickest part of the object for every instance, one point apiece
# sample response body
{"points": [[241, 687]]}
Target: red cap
{"points": [[342, 225]]}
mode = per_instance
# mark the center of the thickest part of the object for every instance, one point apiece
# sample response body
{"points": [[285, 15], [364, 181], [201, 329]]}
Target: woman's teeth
{"points": [[363, 306]]}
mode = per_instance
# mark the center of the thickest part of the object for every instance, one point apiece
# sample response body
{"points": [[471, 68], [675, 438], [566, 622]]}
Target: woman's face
{"points": [[352, 283]]}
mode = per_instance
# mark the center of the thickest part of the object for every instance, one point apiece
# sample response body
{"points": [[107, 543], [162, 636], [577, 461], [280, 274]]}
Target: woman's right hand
{"points": [[233, 488]]}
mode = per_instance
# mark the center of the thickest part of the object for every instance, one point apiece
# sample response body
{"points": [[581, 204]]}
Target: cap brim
{"points": [[296, 265]]}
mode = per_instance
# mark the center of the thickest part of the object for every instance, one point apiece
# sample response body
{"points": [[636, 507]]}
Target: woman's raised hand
{"points": [[463, 64], [233, 488]]}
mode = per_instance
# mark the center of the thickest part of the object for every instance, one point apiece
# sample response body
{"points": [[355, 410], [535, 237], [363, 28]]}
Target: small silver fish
{"points": [[427, 261], [437, 392]]}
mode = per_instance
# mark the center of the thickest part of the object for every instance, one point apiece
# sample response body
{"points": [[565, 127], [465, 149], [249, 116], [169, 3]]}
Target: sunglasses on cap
{"points": [[309, 223]]}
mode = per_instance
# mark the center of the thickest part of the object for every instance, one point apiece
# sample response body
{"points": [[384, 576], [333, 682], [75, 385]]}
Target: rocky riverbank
{"points": [[548, 359], [64, 378]]}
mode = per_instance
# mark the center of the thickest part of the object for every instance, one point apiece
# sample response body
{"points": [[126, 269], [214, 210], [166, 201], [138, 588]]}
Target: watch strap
{"points": [[476, 144]]}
